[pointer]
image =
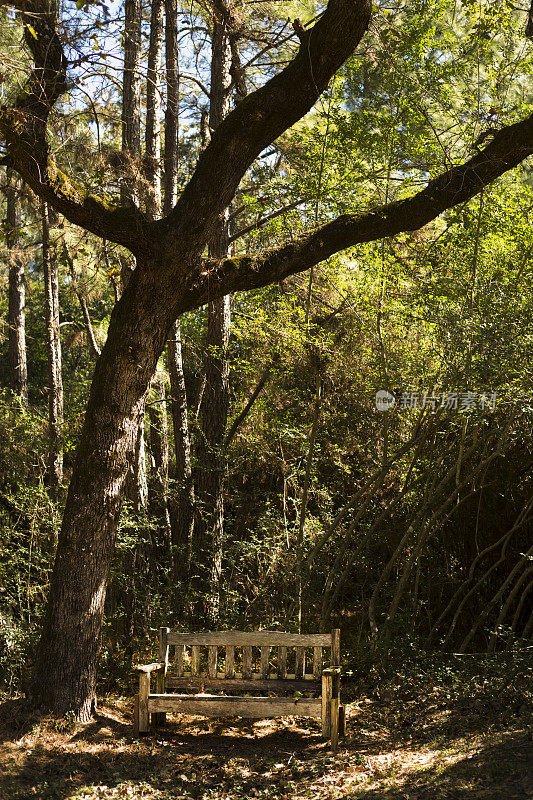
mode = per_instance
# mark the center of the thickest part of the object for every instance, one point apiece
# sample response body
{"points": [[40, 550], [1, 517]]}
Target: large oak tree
{"points": [[172, 276]]}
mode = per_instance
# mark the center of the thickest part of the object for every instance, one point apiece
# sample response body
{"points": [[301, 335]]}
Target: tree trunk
{"points": [[53, 346], [158, 484], [153, 110], [17, 292], [136, 484], [182, 506], [64, 674], [131, 94], [211, 456], [170, 180]]}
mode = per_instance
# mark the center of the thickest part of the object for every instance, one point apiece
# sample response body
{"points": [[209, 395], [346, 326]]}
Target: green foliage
{"points": [[441, 309]]}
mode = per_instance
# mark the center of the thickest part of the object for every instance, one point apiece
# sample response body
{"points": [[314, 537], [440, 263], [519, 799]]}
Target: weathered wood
{"points": [[327, 690], [247, 662], [335, 647], [342, 721], [144, 691], [148, 667], [178, 660], [327, 706], [136, 715], [300, 662], [334, 713], [317, 662], [212, 656], [248, 707], [242, 685], [239, 676], [195, 660], [265, 657], [256, 638], [159, 719], [230, 661], [163, 645], [282, 662]]}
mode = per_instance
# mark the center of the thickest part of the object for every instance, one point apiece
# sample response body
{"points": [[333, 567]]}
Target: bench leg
{"points": [[334, 724], [142, 716], [327, 692], [342, 721], [136, 715], [159, 718]]}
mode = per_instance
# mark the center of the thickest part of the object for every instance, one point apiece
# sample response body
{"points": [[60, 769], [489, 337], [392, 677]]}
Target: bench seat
{"points": [[213, 705]]}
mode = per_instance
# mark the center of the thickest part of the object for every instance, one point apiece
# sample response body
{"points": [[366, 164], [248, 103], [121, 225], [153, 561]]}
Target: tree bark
{"points": [[53, 346], [136, 484], [152, 159], [183, 503], [158, 484], [131, 96], [64, 673], [170, 178], [183, 499], [17, 292], [211, 456]]}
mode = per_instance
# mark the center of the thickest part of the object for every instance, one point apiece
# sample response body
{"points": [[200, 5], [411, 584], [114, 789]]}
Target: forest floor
{"points": [[400, 744]]}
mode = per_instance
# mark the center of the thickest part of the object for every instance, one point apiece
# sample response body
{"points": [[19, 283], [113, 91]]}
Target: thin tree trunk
{"points": [[91, 338], [136, 487], [214, 415], [17, 292], [211, 456], [136, 484], [53, 343], [254, 394], [153, 110], [131, 94], [182, 507], [170, 178], [182, 503], [305, 492], [158, 485]]}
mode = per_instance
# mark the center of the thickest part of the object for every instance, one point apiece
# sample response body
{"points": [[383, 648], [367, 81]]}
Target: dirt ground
{"points": [[395, 748]]}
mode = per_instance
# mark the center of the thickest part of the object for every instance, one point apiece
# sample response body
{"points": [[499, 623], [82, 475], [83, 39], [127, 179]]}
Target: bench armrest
{"points": [[149, 667]]}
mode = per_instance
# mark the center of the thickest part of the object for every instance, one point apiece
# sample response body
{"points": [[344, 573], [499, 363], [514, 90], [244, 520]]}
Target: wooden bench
{"points": [[193, 668]]}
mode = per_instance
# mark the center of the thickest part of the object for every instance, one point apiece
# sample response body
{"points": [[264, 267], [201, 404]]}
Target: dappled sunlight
{"points": [[194, 757]]}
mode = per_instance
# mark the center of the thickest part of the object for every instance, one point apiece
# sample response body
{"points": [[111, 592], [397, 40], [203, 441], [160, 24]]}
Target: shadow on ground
{"points": [[225, 759]]}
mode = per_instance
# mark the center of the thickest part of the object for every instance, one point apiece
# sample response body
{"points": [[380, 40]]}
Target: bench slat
{"points": [[265, 656], [243, 685], [257, 638], [212, 661], [248, 707], [282, 662], [317, 662], [230, 661], [178, 660], [300, 662], [247, 662], [195, 660]]}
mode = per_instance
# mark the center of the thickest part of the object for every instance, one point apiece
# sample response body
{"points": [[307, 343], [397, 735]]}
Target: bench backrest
{"points": [[247, 656]]}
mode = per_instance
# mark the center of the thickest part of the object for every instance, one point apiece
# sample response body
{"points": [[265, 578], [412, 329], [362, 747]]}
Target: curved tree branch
{"points": [[509, 147], [23, 128]]}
